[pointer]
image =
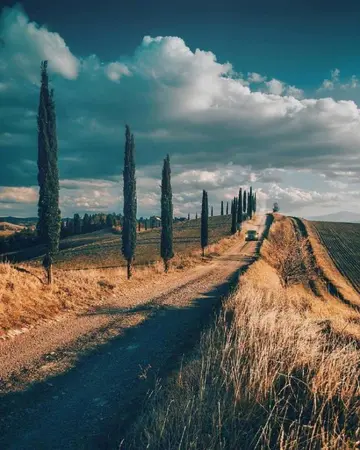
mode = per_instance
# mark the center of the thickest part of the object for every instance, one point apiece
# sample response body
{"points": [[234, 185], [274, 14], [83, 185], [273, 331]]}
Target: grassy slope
{"points": [[275, 376]]}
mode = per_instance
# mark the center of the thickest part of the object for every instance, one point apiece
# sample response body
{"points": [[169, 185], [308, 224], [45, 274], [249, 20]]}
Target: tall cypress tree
{"points": [[227, 208], [212, 211], [222, 208], [130, 202], [244, 202], [233, 215], [166, 215], [204, 222], [254, 203], [239, 208], [49, 223], [250, 211]]}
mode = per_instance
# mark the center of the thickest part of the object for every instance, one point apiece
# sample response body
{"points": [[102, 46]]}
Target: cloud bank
{"points": [[218, 126]]}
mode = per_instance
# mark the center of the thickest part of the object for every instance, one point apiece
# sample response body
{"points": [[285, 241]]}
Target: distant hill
{"points": [[341, 216], [26, 221]]}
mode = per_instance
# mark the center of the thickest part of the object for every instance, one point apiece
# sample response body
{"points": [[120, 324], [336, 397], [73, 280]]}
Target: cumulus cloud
{"points": [[218, 130], [335, 83], [254, 77], [25, 44], [275, 87], [116, 70]]}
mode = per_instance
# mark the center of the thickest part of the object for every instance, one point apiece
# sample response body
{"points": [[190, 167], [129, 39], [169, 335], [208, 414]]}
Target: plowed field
{"points": [[342, 241]]}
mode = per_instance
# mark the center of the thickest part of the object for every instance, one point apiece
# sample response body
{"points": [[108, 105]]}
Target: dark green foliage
{"points": [[204, 221], [49, 222], [254, 203], [188, 216], [239, 207], [222, 208], [227, 208], [109, 220], [244, 201], [233, 215], [86, 223], [130, 201], [77, 224], [196, 216], [166, 214], [212, 211], [249, 207]]}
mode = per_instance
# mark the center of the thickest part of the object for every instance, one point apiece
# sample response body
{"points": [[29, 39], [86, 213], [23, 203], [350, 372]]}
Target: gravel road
{"points": [[85, 377]]}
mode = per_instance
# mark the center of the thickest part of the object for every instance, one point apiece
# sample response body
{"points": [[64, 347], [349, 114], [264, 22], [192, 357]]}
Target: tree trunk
{"points": [[166, 265], [49, 274], [129, 269], [203, 252]]}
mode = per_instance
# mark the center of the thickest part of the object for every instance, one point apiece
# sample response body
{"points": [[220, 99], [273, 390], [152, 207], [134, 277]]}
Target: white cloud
{"points": [[18, 194], [219, 131], [116, 70], [275, 87], [335, 83], [26, 44], [254, 77]]}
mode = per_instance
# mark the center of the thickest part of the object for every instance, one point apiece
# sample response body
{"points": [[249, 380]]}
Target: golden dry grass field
{"points": [[279, 369]]}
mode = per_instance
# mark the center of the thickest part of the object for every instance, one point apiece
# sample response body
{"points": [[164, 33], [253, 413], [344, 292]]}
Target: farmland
{"points": [[342, 241], [103, 248]]}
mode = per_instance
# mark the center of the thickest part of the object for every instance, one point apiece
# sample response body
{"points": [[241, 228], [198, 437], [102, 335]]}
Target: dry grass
{"points": [[270, 374], [25, 299]]}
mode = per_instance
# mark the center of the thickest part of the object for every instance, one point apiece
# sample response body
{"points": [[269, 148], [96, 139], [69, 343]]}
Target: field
{"points": [[342, 240], [102, 249], [7, 229]]}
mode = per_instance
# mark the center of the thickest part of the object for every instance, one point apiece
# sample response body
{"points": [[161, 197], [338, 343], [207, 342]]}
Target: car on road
{"points": [[251, 235]]}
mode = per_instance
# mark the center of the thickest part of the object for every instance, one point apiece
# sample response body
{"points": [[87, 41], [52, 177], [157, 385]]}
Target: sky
{"points": [[264, 94]]}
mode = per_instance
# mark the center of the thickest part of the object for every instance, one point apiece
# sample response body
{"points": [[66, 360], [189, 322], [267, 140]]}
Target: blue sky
{"points": [[264, 94]]}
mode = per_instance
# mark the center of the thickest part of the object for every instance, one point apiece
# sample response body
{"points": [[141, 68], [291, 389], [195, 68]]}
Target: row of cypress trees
{"points": [[49, 222]]}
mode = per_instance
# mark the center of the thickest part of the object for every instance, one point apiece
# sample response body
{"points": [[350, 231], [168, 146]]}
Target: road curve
{"points": [[88, 406]]}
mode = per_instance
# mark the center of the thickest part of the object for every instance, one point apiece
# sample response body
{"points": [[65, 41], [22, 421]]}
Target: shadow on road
{"points": [[91, 405]]}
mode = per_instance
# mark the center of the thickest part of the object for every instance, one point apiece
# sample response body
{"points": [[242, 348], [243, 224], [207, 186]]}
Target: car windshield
{"points": [[251, 232]]}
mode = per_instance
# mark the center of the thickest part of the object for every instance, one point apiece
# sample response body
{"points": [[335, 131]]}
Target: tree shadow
{"points": [[92, 404]]}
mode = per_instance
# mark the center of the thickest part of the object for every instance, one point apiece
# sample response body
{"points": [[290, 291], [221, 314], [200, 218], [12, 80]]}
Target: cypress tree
{"points": [[109, 220], [86, 223], [166, 215], [227, 208], [49, 223], [244, 202], [254, 203], [250, 196], [77, 224], [146, 224], [196, 216], [139, 226], [130, 202], [233, 215], [222, 208], [239, 208], [204, 222], [188, 216], [212, 211]]}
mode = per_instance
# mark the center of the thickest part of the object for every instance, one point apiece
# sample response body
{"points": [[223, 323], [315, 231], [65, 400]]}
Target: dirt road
{"points": [[88, 405]]}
